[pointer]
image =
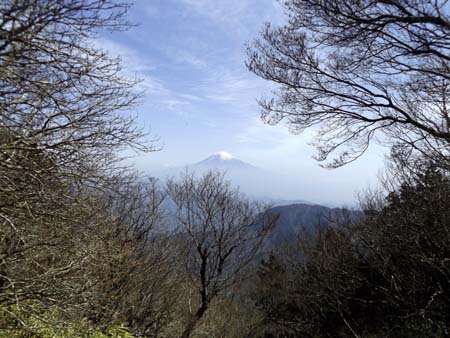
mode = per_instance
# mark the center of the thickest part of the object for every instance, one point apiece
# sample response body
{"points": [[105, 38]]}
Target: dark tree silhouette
{"points": [[386, 275]]}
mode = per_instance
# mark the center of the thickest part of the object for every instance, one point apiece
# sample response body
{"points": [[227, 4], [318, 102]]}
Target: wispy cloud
{"points": [[235, 88], [189, 58], [213, 64], [239, 15], [130, 57], [256, 133], [135, 65], [227, 12]]}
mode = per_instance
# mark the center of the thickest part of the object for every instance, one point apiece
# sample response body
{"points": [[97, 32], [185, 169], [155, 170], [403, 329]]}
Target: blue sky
{"points": [[200, 98]]}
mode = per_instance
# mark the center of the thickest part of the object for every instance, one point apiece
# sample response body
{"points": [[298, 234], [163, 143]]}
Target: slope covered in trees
{"points": [[88, 249], [384, 276]]}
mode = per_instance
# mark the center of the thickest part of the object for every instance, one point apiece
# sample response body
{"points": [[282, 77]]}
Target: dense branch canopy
{"points": [[358, 68], [58, 92], [64, 115]]}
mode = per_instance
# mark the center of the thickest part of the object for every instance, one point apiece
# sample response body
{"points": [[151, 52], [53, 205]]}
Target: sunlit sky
{"points": [[200, 98]]}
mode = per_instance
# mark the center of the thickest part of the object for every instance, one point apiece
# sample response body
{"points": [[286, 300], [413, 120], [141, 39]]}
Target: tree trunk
{"points": [[193, 321]]}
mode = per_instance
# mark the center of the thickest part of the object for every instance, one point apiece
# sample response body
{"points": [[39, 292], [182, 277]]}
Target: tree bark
{"points": [[193, 321]]}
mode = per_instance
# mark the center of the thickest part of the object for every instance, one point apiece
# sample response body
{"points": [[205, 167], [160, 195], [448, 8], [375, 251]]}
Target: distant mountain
{"points": [[295, 218], [281, 202], [295, 215], [223, 160], [255, 182], [251, 180]]}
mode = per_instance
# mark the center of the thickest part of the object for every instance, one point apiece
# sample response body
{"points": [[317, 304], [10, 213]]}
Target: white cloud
{"points": [[185, 57], [131, 59], [237, 18], [227, 12], [137, 66], [221, 79], [276, 140], [190, 97], [234, 88], [134, 66]]}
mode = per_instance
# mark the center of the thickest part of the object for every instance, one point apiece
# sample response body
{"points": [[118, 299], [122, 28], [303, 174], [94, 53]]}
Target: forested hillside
{"points": [[296, 219], [90, 247]]}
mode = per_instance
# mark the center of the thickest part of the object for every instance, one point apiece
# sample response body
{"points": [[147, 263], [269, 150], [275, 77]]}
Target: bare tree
{"points": [[358, 69], [223, 232], [59, 94], [131, 270], [64, 115]]}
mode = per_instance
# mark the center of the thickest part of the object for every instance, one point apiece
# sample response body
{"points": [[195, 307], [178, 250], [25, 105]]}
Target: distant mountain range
{"points": [[295, 219], [295, 216], [255, 182]]}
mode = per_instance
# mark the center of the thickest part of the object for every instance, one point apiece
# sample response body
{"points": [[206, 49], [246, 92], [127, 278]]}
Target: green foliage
{"points": [[51, 323]]}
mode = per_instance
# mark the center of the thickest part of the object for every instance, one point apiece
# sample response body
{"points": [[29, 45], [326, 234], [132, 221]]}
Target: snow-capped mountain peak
{"points": [[251, 180], [219, 157], [224, 155], [223, 160]]}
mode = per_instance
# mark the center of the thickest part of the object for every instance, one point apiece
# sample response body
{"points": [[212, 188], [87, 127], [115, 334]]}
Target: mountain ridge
{"points": [[298, 217], [224, 160], [251, 180]]}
